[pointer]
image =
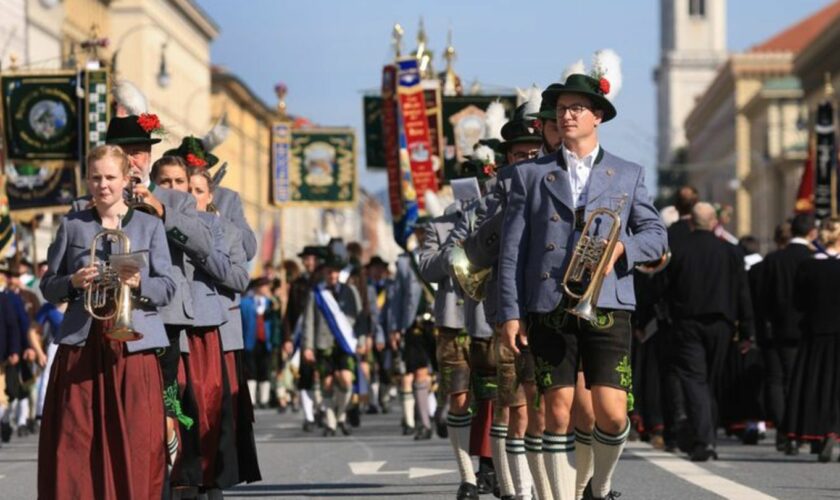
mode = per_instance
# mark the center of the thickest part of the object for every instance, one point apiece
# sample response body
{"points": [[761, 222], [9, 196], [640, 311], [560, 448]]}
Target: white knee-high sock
{"points": [[583, 461], [433, 403], [252, 389], [536, 464], [557, 451], [22, 412], [500, 461], [407, 400], [522, 483], [308, 405], [329, 412], [459, 437], [342, 398], [606, 450], [265, 391]]}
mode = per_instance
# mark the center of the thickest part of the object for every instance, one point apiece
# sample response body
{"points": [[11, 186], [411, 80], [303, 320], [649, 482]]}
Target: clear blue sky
{"points": [[329, 51]]}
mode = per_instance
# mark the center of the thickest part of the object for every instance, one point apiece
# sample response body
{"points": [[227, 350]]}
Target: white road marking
{"points": [[695, 474], [372, 469]]}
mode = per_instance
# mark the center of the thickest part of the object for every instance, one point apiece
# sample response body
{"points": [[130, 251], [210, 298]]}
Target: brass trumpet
{"points": [[588, 264], [107, 298], [136, 202], [472, 282]]}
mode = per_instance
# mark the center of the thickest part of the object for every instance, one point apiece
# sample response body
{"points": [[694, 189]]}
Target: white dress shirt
{"points": [[579, 170]]}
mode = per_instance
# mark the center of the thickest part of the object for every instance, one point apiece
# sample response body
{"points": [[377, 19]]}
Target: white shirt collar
{"points": [[587, 161], [800, 241]]}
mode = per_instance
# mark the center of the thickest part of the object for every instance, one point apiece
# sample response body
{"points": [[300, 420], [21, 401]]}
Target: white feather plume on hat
{"points": [[485, 154], [532, 98], [494, 120], [217, 134], [607, 64], [130, 98], [576, 68]]}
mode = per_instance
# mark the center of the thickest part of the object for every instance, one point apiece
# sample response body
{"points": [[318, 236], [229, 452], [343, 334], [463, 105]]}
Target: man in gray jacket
{"points": [[550, 198], [330, 336]]}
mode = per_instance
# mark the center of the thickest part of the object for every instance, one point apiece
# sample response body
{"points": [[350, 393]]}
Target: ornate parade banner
{"points": [[390, 140], [415, 126], [374, 150], [463, 125], [40, 116], [314, 167], [41, 186], [7, 229], [97, 91], [825, 202]]}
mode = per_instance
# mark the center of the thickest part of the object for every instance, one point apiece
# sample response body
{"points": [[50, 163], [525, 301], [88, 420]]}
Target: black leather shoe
{"points": [[791, 448], [343, 428], [750, 436], [702, 453], [329, 432], [354, 416], [5, 432], [423, 433], [587, 493], [308, 426], [467, 491], [407, 431], [781, 441], [486, 481]]}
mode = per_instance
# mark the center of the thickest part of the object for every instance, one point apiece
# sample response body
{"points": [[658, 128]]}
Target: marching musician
{"points": [[512, 449], [230, 289], [549, 199], [453, 341], [201, 353], [411, 334], [102, 433], [184, 231]]}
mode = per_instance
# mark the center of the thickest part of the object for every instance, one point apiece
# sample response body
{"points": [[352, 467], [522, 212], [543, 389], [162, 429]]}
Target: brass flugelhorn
{"points": [[588, 265], [107, 298], [472, 282]]}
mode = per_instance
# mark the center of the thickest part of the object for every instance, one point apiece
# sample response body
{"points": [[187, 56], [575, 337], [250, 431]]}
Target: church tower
{"points": [[692, 47]]}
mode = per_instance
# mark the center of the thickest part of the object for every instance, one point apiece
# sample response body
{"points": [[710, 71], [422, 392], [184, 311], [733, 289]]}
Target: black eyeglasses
{"points": [[525, 155], [575, 110]]}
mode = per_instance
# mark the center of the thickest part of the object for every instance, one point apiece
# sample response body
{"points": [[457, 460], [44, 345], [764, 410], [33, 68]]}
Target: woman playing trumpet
{"points": [[102, 433]]}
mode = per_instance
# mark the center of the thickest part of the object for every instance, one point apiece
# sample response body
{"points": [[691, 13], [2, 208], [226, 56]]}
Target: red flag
{"points": [[805, 195]]}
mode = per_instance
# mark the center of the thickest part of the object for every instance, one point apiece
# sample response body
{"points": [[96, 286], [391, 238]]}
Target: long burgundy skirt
{"points": [[103, 430], [207, 387]]}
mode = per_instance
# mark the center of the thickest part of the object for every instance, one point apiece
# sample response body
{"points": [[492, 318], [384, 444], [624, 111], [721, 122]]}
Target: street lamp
{"points": [[163, 77]]}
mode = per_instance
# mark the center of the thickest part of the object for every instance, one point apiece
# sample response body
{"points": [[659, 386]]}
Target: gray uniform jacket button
{"points": [[545, 276], [550, 177], [555, 218], [550, 247]]}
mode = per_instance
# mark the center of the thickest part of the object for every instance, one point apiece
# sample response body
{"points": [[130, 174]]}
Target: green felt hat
{"points": [[592, 88], [132, 129], [520, 129], [192, 151]]}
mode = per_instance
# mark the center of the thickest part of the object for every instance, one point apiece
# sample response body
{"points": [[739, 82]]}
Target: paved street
{"points": [[298, 465]]}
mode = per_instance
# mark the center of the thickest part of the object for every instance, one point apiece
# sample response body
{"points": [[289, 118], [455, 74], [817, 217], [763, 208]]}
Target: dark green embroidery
{"points": [[173, 404], [484, 387], [603, 320], [543, 373], [625, 371]]}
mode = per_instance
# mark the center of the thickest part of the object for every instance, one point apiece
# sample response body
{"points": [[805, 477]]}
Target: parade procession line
{"points": [[696, 474]]}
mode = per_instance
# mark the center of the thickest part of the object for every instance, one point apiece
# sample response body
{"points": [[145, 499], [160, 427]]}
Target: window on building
{"points": [[697, 8]]}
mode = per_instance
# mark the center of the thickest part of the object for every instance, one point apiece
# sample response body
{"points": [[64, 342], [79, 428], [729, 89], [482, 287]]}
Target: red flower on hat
{"points": [[149, 122], [489, 170], [604, 86], [195, 161]]}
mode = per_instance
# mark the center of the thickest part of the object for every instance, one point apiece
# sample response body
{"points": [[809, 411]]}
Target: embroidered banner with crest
{"points": [[41, 119], [463, 125], [316, 167]]}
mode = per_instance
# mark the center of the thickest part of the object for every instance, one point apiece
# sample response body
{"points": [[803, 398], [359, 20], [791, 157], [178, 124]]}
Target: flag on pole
{"points": [[805, 194]]}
